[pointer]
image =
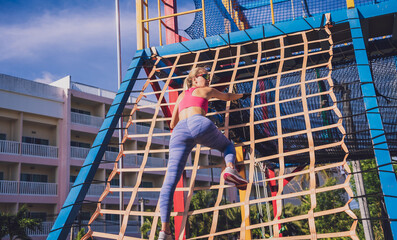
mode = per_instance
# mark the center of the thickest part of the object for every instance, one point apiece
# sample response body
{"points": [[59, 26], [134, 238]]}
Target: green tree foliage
{"points": [[80, 234], [15, 225], [200, 224], [147, 226], [372, 186]]}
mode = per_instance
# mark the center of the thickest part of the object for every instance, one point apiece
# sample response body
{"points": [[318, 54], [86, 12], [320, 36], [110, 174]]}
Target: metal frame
{"points": [[381, 149], [143, 17], [388, 181]]}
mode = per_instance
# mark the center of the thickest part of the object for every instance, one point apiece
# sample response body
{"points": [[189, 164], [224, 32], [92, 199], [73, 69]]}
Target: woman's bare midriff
{"points": [[190, 111]]}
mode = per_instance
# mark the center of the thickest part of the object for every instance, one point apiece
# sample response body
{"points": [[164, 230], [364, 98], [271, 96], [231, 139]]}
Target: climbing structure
{"points": [[294, 96], [302, 78]]}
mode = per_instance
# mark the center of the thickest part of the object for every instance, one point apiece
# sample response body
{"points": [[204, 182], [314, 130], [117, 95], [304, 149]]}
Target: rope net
{"points": [[292, 118]]}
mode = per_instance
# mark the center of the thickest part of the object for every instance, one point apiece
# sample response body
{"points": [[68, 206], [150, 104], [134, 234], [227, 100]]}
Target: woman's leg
{"points": [[210, 136], [181, 144]]}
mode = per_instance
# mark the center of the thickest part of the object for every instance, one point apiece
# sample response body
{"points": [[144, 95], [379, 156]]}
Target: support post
{"points": [[241, 170], [140, 35], [273, 190], [381, 149]]}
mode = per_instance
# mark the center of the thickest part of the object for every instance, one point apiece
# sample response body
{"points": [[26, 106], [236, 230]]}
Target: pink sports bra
{"points": [[192, 101]]}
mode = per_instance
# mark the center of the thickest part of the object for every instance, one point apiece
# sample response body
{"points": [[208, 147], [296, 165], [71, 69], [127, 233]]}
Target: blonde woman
{"points": [[191, 127]]}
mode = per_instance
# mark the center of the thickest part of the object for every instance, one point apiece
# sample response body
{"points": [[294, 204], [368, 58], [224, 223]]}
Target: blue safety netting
{"points": [[255, 13]]}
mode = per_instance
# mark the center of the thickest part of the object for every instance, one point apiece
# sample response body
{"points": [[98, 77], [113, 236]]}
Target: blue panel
{"points": [[339, 16], [355, 32], [174, 48], [364, 71], [195, 45], [368, 89], [361, 57], [255, 33], [226, 37], [68, 213], [316, 21], [294, 26], [374, 10], [382, 154], [238, 37], [359, 44], [271, 31], [215, 41]]}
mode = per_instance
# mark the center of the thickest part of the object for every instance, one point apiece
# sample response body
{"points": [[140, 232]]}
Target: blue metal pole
{"points": [[74, 200], [381, 149]]}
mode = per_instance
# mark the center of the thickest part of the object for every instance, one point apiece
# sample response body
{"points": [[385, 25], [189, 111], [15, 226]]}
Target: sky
{"points": [[45, 40]]}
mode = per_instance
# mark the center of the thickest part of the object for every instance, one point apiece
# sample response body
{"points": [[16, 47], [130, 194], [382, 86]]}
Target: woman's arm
{"points": [[214, 93], [175, 113]]}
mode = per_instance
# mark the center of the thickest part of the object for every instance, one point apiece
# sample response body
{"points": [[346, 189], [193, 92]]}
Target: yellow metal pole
{"points": [[159, 14], [272, 9], [240, 158], [139, 25], [171, 15], [350, 3], [147, 24], [204, 24]]}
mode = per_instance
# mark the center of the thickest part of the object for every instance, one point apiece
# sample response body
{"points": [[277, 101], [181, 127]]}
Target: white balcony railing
{"points": [[128, 160], [216, 172], [10, 147], [37, 188], [95, 189], [104, 93], [111, 156], [141, 129], [8, 187], [136, 161], [30, 149], [79, 152], [28, 188], [113, 227], [39, 150], [85, 119], [45, 230]]}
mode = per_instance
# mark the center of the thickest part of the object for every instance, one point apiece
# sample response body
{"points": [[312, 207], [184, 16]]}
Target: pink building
{"points": [[46, 132]]}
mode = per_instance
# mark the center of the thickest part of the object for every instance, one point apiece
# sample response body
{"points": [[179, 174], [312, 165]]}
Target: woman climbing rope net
{"points": [[191, 127]]}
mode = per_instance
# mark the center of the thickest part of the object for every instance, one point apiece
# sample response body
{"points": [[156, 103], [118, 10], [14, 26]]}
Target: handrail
{"points": [[172, 15], [143, 31]]}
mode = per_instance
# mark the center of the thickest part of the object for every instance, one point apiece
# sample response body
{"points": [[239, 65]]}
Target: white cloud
{"points": [[46, 78], [63, 31]]}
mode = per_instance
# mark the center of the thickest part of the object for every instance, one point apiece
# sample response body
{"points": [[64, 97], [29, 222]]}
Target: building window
{"points": [[85, 216], [146, 184], [114, 182], [80, 144], [146, 124], [112, 217], [75, 110], [112, 149], [35, 140], [3, 136], [38, 215], [1, 176], [142, 154], [27, 177], [72, 178]]}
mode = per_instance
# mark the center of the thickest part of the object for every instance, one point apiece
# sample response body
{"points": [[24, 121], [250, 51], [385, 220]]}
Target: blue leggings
{"points": [[196, 129]]}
